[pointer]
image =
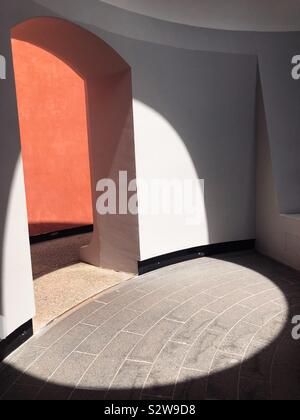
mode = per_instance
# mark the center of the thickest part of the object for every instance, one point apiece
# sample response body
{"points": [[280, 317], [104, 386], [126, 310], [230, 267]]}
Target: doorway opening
{"points": [[63, 74]]}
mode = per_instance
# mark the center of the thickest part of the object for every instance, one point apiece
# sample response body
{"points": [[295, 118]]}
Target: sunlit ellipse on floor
{"points": [[212, 328]]}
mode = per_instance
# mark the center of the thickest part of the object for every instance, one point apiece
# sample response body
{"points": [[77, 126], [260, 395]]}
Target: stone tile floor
{"points": [[61, 281], [213, 328]]}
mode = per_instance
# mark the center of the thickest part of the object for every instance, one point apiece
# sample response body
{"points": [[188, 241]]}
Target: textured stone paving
{"points": [[213, 328]]}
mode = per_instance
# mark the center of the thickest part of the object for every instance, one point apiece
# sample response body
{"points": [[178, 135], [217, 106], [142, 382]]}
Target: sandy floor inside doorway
{"points": [[61, 281]]}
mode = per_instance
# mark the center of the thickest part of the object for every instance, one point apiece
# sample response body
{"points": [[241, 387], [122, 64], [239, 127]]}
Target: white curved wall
{"points": [[162, 156], [197, 87], [246, 15], [16, 260], [277, 235]]}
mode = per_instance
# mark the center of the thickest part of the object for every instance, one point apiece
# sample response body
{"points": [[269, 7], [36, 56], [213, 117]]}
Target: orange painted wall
{"points": [[54, 137]]}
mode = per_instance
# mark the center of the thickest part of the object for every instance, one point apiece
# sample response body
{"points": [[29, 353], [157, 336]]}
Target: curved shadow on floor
{"points": [[269, 370], [191, 388]]}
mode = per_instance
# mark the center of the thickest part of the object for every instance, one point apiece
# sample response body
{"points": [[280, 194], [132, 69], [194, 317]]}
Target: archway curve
{"points": [[57, 35], [107, 79]]}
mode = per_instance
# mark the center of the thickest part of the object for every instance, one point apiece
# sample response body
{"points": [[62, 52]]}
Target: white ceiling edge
{"points": [[242, 15]]}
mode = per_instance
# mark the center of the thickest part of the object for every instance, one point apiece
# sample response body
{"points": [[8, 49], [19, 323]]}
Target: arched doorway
{"points": [[54, 138], [75, 111]]}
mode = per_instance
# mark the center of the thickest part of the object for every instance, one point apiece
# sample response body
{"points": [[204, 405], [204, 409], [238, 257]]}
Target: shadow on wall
{"points": [[208, 101], [151, 80], [268, 369]]}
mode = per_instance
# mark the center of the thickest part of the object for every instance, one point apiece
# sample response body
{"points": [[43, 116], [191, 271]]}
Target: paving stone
{"points": [[224, 322], [223, 381], [96, 381], [253, 390], [290, 300], [196, 289], [66, 378], [21, 393], [200, 356], [190, 331], [263, 286], [224, 361], [239, 338], [153, 298], [115, 292], [258, 362], [221, 291], [186, 310], [273, 329], [108, 311], [128, 383], [165, 371], [264, 314], [152, 343], [286, 370], [262, 298], [13, 369], [61, 327], [145, 397], [191, 386], [222, 304], [100, 338], [238, 346], [108, 297], [149, 318], [285, 377], [55, 355]]}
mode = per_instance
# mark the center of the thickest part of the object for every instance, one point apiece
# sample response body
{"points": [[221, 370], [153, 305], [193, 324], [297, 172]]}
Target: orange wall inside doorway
{"points": [[54, 137]]}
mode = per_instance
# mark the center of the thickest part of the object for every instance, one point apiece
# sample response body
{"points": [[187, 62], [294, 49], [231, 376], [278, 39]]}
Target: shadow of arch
{"points": [[269, 369], [107, 80]]}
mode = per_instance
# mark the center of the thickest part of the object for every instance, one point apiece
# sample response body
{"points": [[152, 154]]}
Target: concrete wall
{"points": [[278, 235], [196, 123], [194, 116], [257, 15], [16, 296]]}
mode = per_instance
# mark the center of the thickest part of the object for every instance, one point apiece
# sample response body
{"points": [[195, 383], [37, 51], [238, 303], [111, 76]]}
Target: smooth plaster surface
{"points": [[54, 138], [278, 234]]}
